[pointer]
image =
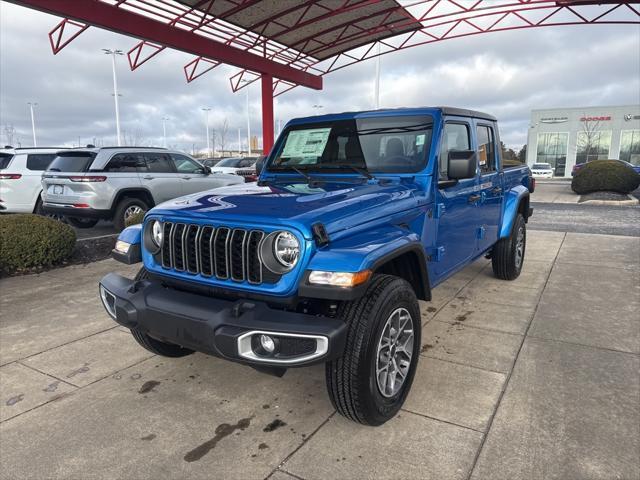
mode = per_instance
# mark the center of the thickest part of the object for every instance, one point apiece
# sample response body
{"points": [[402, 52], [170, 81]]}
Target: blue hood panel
{"points": [[338, 205]]}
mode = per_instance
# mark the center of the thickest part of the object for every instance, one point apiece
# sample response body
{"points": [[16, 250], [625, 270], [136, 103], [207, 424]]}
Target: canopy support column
{"points": [[267, 113]]}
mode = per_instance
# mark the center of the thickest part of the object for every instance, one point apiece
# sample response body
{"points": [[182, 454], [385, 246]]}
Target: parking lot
{"points": [[537, 378]]}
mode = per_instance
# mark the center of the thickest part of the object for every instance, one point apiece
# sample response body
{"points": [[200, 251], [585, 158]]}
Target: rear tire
{"points": [[507, 256], [38, 210], [360, 386], [81, 222], [151, 344], [126, 208]]}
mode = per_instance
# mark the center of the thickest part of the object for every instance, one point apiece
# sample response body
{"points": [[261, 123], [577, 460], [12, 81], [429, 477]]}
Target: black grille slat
{"points": [[177, 241], [220, 252], [237, 259], [254, 266], [191, 248], [204, 251]]}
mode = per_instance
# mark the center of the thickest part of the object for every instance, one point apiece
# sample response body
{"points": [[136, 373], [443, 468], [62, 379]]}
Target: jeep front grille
{"points": [[220, 252]]}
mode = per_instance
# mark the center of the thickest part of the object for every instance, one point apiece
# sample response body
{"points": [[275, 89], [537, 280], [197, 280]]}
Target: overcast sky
{"points": [[507, 74]]}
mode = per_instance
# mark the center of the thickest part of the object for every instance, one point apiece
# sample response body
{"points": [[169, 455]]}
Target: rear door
{"points": [[490, 184], [455, 204], [160, 177], [191, 174]]}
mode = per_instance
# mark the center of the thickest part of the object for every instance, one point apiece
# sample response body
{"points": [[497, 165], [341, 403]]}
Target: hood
{"points": [[337, 205]]}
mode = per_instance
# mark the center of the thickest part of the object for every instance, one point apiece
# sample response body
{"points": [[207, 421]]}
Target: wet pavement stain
{"points": [[148, 386], [148, 437], [13, 400], [265, 406], [52, 387], [135, 376], [277, 423], [84, 369], [431, 309], [426, 347], [263, 446], [462, 318], [223, 430]]}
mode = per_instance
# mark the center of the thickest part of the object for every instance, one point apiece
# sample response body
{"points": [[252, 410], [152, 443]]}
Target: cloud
{"points": [[507, 74]]}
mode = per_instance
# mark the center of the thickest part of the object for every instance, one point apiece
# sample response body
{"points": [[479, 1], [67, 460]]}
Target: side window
{"points": [[486, 149], [124, 162], [185, 164], [158, 163], [454, 138], [39, 161]]}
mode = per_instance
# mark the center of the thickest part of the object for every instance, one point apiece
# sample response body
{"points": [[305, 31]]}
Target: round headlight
{"points": [[286, 249], [157, 233]]}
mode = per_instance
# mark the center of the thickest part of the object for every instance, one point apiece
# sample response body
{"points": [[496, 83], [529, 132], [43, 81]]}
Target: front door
{"points": [[191, 174], [455, 205], [160, 177], [490, 185]]}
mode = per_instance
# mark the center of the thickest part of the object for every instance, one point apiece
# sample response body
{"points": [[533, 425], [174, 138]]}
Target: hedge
{"points": [[605, 176], [31, 241], [134, 219]]}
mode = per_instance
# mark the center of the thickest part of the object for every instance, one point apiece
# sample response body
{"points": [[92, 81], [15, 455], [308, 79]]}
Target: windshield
{"points": [[542, 166], [5, 160], [236, 162], [72, 162], [379, 145]]}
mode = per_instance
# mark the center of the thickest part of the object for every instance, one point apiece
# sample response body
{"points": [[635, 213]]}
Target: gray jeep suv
{"points": [[114, 183]]}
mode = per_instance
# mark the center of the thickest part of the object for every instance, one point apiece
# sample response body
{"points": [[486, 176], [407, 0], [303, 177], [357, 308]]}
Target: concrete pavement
{"points": [[536, 378]]}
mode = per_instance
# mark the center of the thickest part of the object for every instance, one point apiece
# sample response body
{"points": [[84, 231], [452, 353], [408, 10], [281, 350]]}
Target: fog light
{"points": [[267, 343]]}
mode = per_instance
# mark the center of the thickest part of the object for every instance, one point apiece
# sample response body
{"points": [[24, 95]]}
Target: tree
{"points": [[10, 134], [507, 153], [522, 154], [222, 137], [588, 139]]}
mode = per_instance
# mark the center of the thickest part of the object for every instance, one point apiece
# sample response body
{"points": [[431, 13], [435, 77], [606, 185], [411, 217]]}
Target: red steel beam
{"points": [[267, 113], [103, 15]]}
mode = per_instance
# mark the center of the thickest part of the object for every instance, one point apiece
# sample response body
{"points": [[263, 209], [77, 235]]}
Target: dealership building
{"points": [[564, 137]]}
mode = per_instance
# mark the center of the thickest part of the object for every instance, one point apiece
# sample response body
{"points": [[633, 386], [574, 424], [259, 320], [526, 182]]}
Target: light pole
{"points": [[376, 91], [164, 131], [317, 107], [239, 143], [248, 119], [206, 111], [33, 122], [113, 54]]}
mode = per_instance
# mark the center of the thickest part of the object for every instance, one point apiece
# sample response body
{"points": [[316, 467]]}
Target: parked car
{"points": [[113, 183], [234, 164], [210, 162], [355, 217], [578, 166], [542, 170], [20, 178]]}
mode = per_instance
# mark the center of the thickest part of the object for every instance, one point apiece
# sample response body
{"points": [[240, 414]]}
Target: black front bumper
{"points": [[215, 326]]}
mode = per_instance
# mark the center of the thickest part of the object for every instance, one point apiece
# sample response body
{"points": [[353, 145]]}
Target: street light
{"points": [[113, 54], [206, 111], [317, 107], [248, 118], [33, 122], [164, 131]]}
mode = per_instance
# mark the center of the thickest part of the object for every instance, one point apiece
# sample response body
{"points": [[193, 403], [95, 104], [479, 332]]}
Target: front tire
{"points": [[507, 256], [151, 344], [126, 209], [370, 382], [81, 222]]}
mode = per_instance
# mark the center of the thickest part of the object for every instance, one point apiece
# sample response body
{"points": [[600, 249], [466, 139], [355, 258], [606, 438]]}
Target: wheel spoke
{"points": [[395, 351]]}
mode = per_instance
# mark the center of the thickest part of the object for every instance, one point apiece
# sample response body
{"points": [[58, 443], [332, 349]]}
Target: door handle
{"points": [[473, 198], [496, 190], [186, 177], [148, 177]]}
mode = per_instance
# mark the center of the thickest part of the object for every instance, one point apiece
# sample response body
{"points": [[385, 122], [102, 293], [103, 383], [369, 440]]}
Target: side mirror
{"points": [[259, 165], [206, 170], [462, 164]]}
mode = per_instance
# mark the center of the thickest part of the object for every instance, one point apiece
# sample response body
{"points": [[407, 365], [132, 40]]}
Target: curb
{"points": [[616, 203]]}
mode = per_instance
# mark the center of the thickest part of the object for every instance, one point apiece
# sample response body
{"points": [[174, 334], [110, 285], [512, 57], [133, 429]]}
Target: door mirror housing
{"points": [[462, 164], [206, 170]]}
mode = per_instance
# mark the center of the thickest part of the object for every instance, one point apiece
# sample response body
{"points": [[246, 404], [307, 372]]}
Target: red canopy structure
{"points": [[287, 43]]}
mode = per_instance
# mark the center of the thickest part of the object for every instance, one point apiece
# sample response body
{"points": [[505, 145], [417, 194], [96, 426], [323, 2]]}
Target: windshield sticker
{"points": [[420, 140], [306, 143]]}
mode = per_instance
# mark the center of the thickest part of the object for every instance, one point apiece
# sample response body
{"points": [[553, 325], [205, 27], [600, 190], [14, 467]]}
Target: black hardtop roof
{"points": [[463, 112]]}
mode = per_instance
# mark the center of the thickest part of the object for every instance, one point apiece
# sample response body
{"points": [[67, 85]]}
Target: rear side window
{"points": [[486, 149], [158, 163], [5, 160], [72, 162], [125, 162], [454, 139], [39, 161]]}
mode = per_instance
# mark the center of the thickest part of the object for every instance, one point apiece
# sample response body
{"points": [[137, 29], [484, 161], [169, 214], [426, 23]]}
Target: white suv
{"points": [[542, 170], [20, 174], [114, 183]]}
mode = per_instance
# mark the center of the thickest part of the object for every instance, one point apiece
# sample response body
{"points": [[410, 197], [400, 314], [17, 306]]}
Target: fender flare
{"points": [[133, 236], [511, 207]]}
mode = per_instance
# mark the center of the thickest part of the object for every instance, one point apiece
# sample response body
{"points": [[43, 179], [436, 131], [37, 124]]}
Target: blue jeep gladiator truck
{"points": [[355, 217]]}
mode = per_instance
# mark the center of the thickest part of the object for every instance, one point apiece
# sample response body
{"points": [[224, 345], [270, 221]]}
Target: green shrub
{"points": [[134, 219], [605, 175], [31, 241]]}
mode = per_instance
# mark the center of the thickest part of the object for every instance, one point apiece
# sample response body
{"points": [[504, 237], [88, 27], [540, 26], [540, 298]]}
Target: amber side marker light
{"points": [[339, 279]]}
